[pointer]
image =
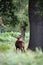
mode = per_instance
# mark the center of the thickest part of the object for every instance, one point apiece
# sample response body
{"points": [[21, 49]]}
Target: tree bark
{"points": [[36, 26], [23, 30]]}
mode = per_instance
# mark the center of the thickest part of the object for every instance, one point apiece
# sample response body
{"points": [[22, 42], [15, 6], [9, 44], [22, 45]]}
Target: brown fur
{"points": [[19, 45]]}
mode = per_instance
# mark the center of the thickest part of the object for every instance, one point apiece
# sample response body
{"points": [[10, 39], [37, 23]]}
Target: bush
{"points": [[4, 47]]}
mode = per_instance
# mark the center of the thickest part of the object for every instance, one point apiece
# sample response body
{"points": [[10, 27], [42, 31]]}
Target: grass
{"points": [[9, 55], [17, 58]]}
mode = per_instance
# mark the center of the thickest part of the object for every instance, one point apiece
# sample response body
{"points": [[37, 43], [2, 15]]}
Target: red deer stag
{"points": [[19, 44]]}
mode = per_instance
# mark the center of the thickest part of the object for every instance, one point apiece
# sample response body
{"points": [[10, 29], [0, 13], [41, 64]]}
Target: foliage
{"points": [[9, 55], [10, 10], [4, 47], [8, 39], [38, 4], [28, 58]]}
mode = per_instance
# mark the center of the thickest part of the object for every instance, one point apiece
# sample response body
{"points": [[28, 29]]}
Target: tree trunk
{"points": [[23, 30], [23, 33], [36, 26]]}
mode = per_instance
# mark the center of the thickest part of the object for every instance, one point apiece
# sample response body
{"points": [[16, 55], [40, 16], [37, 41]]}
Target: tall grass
{"points": [[9, 38], [9, 55]]}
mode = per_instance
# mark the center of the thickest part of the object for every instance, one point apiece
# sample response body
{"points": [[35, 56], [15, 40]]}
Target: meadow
{"points": [[9, 55]]}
